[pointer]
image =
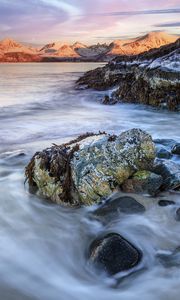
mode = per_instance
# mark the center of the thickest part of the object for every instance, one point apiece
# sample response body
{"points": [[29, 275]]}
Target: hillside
{"points": [[149, 41], [14, 57]]}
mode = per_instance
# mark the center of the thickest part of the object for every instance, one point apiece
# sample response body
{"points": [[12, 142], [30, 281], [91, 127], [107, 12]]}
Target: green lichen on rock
{"points": [[90, 167], [142, 174], [47, 184]]}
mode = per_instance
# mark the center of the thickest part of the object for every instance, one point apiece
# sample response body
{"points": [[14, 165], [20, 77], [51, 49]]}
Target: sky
{"points": [[88, 21]]}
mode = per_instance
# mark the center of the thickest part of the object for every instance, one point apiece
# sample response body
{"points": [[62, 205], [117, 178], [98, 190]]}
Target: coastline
{"points": [[150, 78]]}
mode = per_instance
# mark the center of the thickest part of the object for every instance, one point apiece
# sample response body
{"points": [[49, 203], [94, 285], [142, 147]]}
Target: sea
{"points": [[43, 246]]}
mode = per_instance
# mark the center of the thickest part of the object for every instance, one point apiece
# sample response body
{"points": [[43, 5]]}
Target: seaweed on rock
{"points": [[90, 167]]}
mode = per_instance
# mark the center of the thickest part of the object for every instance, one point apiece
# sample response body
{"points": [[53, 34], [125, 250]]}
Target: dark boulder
{"points": [[165, 142], [163, 153], [170, 172], [164, 147], [124, 204], [113, 254], [176, 149], [116, 205]]}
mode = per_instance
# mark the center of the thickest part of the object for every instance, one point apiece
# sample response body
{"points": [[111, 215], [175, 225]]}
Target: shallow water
{"points": [[43, 246]]}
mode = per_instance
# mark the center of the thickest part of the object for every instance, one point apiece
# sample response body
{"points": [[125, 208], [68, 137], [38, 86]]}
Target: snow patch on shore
{"points": [[170, 62]]}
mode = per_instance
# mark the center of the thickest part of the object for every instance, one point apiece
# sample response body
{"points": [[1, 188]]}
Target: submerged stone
{"points": [[123, 204], [90, 167], [166, 202], [170, 260], [114, 207], [113, 254]]}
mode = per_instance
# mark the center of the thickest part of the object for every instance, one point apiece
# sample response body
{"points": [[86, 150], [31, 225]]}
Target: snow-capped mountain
{"points": [[51, 48], [66, 51], [149, 41], [58, 51], [78, 45], [9, 45]]}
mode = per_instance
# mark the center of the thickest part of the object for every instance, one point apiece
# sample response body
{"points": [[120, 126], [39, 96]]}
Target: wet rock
{"points": [[114, 206], [163, 153], [109, 100], [143, 182], [98, 79], [170, 172], [176, 149], [90, 167], [113, 254], [166, 202], [165, 142], [177, 217], [106, 99], [163, 148]]}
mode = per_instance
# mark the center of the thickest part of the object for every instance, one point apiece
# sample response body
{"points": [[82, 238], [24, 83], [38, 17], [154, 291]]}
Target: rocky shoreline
{"points": [[102, 169], [150, 78], [106, 171]]}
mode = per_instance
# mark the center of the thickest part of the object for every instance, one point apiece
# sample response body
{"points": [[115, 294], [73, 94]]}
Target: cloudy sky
{"points": [[41, 21]]}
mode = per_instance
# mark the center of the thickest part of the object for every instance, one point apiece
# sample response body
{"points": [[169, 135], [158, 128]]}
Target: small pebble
{"points": [[166, 202]]}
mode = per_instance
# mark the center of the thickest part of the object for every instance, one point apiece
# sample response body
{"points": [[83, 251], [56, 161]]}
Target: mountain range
{"points": [[12, 51]]}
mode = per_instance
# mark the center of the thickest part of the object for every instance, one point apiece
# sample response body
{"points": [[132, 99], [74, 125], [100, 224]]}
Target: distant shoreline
{"points": [[13, 51]]}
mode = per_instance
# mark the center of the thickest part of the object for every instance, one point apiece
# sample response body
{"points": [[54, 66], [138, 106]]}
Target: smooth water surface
{"points": [[43, 246]]}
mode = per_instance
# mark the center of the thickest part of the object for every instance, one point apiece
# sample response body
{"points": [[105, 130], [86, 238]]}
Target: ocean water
{"points": [[43, 246]]}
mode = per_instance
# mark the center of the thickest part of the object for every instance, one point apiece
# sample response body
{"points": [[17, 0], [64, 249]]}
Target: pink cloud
{"points": [[42, 20]]}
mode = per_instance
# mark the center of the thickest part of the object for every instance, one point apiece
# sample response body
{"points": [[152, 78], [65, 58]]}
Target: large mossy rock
{"points": [[90, 167]]}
